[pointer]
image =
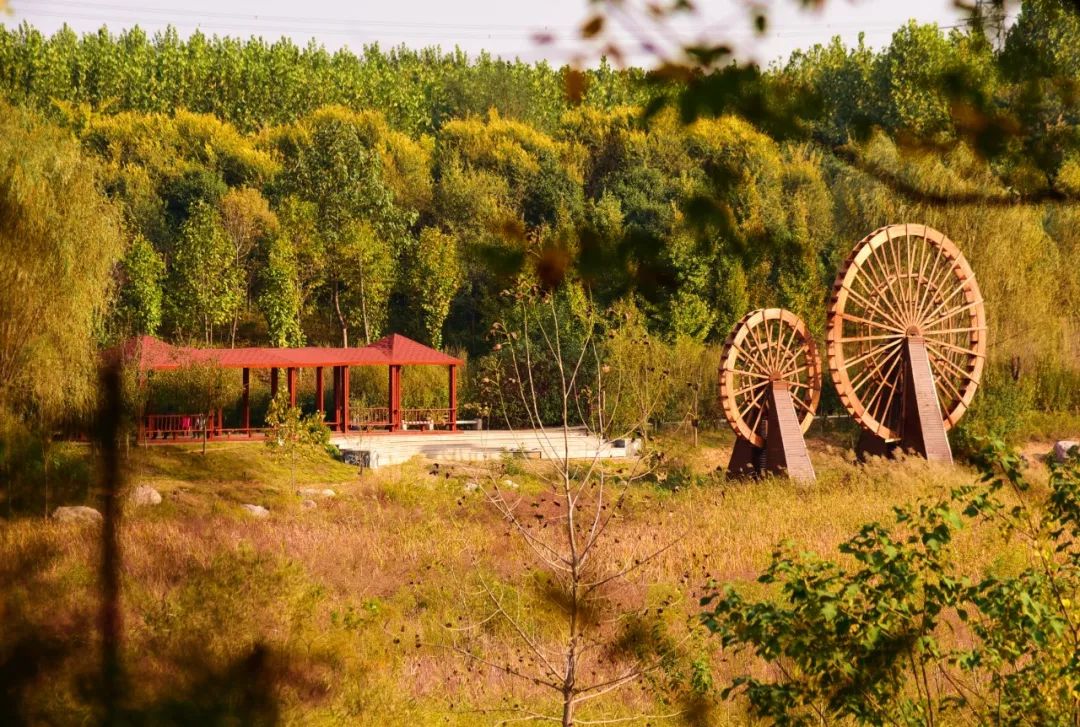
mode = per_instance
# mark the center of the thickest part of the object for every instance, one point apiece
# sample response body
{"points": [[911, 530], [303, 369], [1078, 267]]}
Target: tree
{"points": [[436, 277], [248, 221], [139, 307], [293, 436], [567, 536], [280, 296], [330, 163], [206, 388], [205, 284], [59, 242]]}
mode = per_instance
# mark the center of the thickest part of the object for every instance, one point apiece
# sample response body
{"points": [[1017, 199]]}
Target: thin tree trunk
{"points": [[363, 308], [341, 318]]}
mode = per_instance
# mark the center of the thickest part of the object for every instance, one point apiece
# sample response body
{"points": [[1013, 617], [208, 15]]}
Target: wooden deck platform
{"points": [[385, 449]]}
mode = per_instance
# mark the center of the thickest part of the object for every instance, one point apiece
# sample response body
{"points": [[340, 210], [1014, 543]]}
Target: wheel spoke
{"points": [[886, 379], [945, 300], [743, 372], [854, 339], [940, 332], [751, 387], [895, 260], [952, 347], [953, 366], [873, 351], [888, 402], [802, 403], [751, 360], [942, 378], [953, 312], [867, 304], [745, 409], [867, 321], [791, 353], [876, 369], [763, 352], [926, 288], [880, 276]]}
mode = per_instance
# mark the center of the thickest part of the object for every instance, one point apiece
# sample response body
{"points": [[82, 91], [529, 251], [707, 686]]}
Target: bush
{"points": [[871, 636]]}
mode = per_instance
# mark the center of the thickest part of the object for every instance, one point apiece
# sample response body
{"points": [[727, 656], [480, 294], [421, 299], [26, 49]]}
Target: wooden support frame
{"points": [[784, 449], [923, 426]]}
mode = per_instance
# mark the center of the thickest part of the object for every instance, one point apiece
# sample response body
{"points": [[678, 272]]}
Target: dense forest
{"points": [[222, 191]]}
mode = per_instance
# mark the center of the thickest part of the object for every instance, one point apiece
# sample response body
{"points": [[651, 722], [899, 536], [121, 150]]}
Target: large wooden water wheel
{"points": [[906, 338], [770, 385]]}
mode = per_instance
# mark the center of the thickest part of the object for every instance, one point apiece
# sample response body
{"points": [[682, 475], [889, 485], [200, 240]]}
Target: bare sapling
{"points": [[568, 530]]}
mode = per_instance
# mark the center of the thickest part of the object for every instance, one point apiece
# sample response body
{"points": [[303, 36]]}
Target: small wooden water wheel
{"points": [[906, 339], [770, 384]]}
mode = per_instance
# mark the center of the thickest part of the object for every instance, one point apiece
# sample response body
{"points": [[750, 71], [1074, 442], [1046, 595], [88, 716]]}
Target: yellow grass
{"points": [[359, 600]]}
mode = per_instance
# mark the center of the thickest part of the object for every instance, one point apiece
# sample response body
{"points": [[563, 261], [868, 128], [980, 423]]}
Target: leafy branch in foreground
{"points": [[896, 633]]}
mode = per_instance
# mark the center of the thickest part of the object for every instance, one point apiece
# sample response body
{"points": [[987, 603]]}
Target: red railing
{"points": [[178, 426], [369, 417], [427, 418], [379, 417]]}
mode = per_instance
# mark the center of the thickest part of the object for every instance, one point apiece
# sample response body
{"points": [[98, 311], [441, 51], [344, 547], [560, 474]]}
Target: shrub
{"points": [[872, 638]]}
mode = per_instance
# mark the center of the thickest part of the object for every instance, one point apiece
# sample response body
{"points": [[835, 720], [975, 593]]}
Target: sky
{"points": [[507, 28]]}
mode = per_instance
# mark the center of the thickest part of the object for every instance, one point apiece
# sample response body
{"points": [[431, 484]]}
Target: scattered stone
{"points": [[510, 483], [145, 495], [472, 486], [308, 504], [315, 492], [256, 510], [76, 514], [1061, 449]]}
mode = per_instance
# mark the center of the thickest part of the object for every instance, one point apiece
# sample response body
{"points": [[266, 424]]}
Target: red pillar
{"points": [[337, 398], [395, 398], [290, 381], [319, 405], [273, 383], [345, 398], [247, 401], [453, 398]]}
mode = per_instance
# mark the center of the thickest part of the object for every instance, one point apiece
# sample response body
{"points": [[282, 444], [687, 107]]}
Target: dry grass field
{"points": [[350, 612]]}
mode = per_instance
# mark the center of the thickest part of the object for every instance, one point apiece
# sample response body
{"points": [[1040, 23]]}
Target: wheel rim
{"points": [[904, 281], [768, 345]]}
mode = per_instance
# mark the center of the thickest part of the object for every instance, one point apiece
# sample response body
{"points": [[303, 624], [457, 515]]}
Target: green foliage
{"points": [[436, 277], [868, 637], [279, 295], [59, 241], [293, 437], [139, 307], [205, 284], [298, 196]]}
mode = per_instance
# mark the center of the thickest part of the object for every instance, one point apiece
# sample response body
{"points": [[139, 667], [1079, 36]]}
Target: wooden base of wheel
{"points": [[784, 452], [923, 427]]}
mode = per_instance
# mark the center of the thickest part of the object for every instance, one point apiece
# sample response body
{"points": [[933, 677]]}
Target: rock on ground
{"points": [[472, 486], [77, 514], [308, 504], [315, 492], [1061, 449], [256, 510], [145, 495]]}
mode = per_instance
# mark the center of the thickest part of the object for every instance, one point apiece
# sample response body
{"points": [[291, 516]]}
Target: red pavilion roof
{"points": [[154, 354]]}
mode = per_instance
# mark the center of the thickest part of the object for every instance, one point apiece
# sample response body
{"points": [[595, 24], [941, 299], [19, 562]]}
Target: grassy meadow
{"points": [[358, 610]]}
